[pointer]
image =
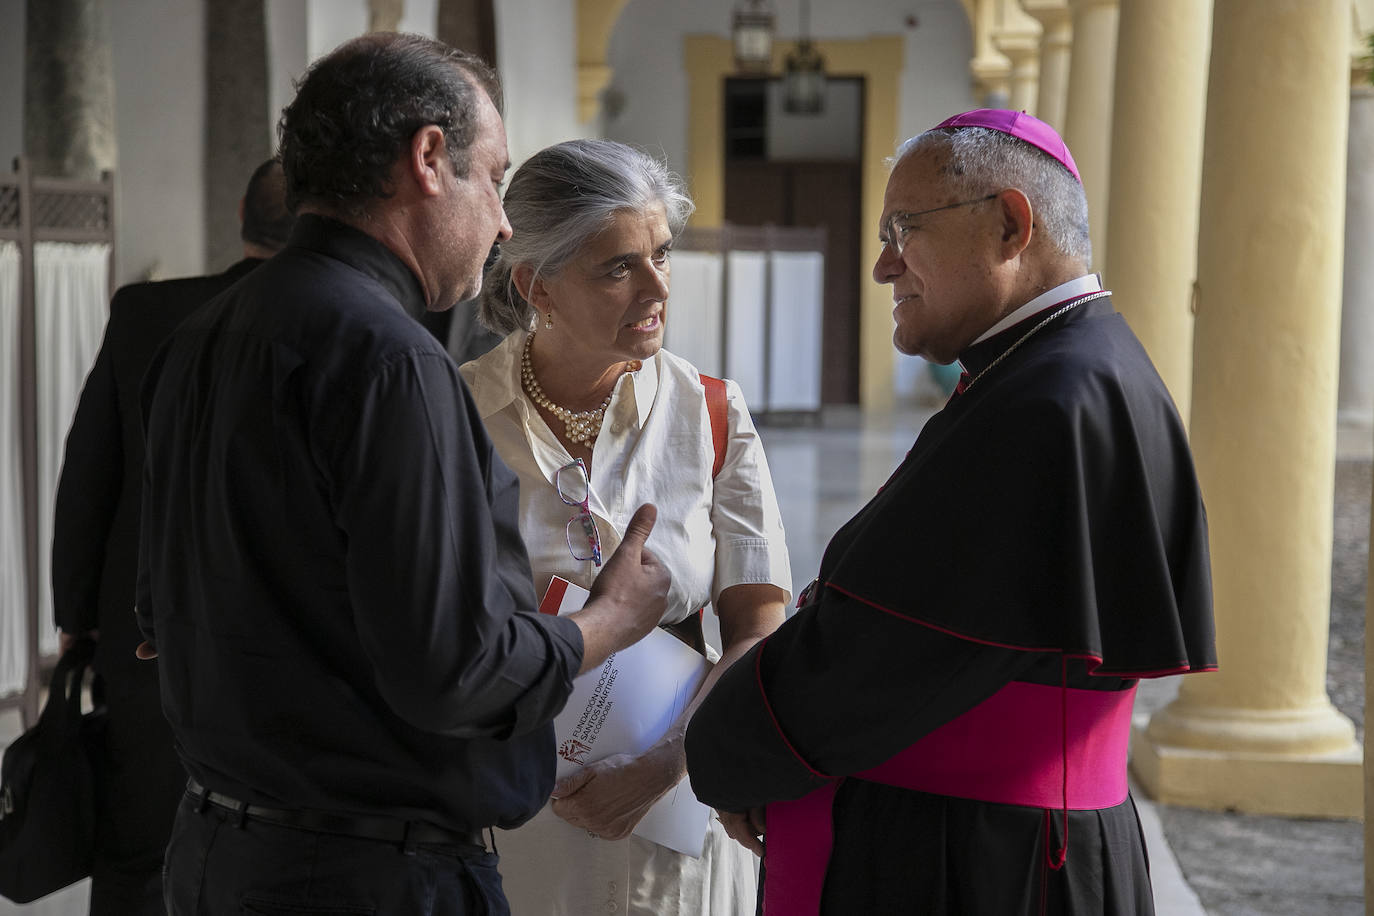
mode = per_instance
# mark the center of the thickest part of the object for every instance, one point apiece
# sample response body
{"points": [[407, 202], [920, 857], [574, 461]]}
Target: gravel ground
{"points": [[1349, 567], [1244, 865]]}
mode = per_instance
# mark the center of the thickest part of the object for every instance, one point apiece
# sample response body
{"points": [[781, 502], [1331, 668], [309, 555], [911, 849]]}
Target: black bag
{"points": [[47, 789]]}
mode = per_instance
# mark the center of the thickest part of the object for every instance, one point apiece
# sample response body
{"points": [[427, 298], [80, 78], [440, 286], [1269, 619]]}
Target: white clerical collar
{"points": [[1062, 293]]}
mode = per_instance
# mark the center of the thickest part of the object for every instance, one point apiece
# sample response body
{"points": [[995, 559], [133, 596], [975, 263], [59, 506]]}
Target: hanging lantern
{"points": [[752, 32], [803, 80], [803, 76]]}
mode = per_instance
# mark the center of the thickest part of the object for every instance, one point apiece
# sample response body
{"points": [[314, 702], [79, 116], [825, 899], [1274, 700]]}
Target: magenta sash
{"points": [[1009, 749]]}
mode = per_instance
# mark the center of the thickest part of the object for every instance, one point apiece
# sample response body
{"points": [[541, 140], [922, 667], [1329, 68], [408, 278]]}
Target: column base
{"points": [[1327, 785]]}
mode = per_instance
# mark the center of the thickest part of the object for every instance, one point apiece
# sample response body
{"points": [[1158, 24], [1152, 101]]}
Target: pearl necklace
{"points": [[580, 426], [1031, 333]]}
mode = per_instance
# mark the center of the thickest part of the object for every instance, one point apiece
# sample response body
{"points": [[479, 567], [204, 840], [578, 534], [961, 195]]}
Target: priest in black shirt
{"points": [[941, 728], [331, 572]]}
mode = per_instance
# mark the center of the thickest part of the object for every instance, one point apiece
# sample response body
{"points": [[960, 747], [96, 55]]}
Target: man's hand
{"points": [[65, 640], [744, 827], [627, 599]]}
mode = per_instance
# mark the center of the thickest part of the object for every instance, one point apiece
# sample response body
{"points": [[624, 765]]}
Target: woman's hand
{"points": [[744, 827], [609, 797]]}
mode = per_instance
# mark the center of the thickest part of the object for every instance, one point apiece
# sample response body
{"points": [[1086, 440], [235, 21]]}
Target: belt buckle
{"points": [[198, 794]]}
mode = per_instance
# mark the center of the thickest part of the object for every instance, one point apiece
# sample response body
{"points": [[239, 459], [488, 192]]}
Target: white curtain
{"points": [[794, 347], [72, 293], [780, 330], [745, 342], [13, 626], [692, 330]]}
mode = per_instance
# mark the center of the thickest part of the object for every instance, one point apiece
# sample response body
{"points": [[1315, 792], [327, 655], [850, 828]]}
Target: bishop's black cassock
{"points": [[953, 697]]}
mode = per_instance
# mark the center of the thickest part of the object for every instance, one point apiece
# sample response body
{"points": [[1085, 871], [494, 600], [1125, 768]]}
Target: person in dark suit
{"points": [[95, 558]]}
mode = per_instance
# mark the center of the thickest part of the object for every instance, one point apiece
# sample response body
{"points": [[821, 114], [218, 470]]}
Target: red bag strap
{"points": [[715, 409]]}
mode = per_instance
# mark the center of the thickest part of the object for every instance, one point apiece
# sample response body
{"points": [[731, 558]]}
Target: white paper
{"points": [[625, 706]]}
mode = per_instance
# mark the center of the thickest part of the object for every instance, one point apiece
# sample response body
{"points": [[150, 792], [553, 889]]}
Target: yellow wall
{"points": [[595, 20], [709, 60]]}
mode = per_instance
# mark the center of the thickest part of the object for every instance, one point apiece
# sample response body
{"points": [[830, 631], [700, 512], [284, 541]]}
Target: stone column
{"points": [[385, 15], [238, 129], [990, 68], [1359, 199], [1261, 735], [69, 124], [1151, 256], [1356, 392], [1056, 46], [470, 25], [1088, 113], [992, 82], [1025, 71], [1017, 37]]}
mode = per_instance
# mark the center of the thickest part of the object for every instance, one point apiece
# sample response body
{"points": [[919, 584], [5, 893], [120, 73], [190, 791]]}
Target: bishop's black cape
{"points": [[1045, 527]]}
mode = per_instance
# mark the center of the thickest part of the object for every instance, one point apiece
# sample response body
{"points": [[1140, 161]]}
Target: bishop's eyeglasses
{"points": [[584, 541], [896, 226]]}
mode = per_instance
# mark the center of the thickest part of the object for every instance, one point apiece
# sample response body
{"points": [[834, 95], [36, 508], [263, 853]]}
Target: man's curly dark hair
{"points": [[357, 108]]}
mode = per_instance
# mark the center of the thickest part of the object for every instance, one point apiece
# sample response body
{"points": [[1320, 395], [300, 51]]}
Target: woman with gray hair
{"points": [[583, 402]]}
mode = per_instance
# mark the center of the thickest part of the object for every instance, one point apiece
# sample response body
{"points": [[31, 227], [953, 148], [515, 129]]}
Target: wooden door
{"points": [[761, 192]]}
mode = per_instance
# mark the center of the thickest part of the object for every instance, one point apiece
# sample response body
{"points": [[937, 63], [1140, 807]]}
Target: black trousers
{"points": [[217, 866]]}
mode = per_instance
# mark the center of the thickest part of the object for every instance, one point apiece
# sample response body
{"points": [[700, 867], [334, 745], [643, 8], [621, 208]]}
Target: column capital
{"points": [[992, 77], [991, 65], [990, 68], [1023, 50], [1012, 17], [1017, 46], [1050, 13]]}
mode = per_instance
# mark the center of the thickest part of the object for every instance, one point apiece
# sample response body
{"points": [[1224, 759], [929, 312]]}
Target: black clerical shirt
{"points": [[331, 568]]}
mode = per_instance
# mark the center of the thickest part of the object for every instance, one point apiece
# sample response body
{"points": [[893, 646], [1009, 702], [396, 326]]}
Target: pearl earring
{"points": [[548, 321]]}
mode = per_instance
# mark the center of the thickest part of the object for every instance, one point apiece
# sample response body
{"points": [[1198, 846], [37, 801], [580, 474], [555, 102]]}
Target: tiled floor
{"points": [[824, 472]]}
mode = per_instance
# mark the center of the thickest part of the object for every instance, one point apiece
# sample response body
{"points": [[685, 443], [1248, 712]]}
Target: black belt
{"points": [[406, 834]]}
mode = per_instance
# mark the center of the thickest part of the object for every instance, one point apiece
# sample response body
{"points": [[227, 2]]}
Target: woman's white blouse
{"points": [[655, 446]]}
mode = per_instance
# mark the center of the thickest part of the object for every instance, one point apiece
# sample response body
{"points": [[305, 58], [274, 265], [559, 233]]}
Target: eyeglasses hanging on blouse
{"points": [[584, 541]]}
